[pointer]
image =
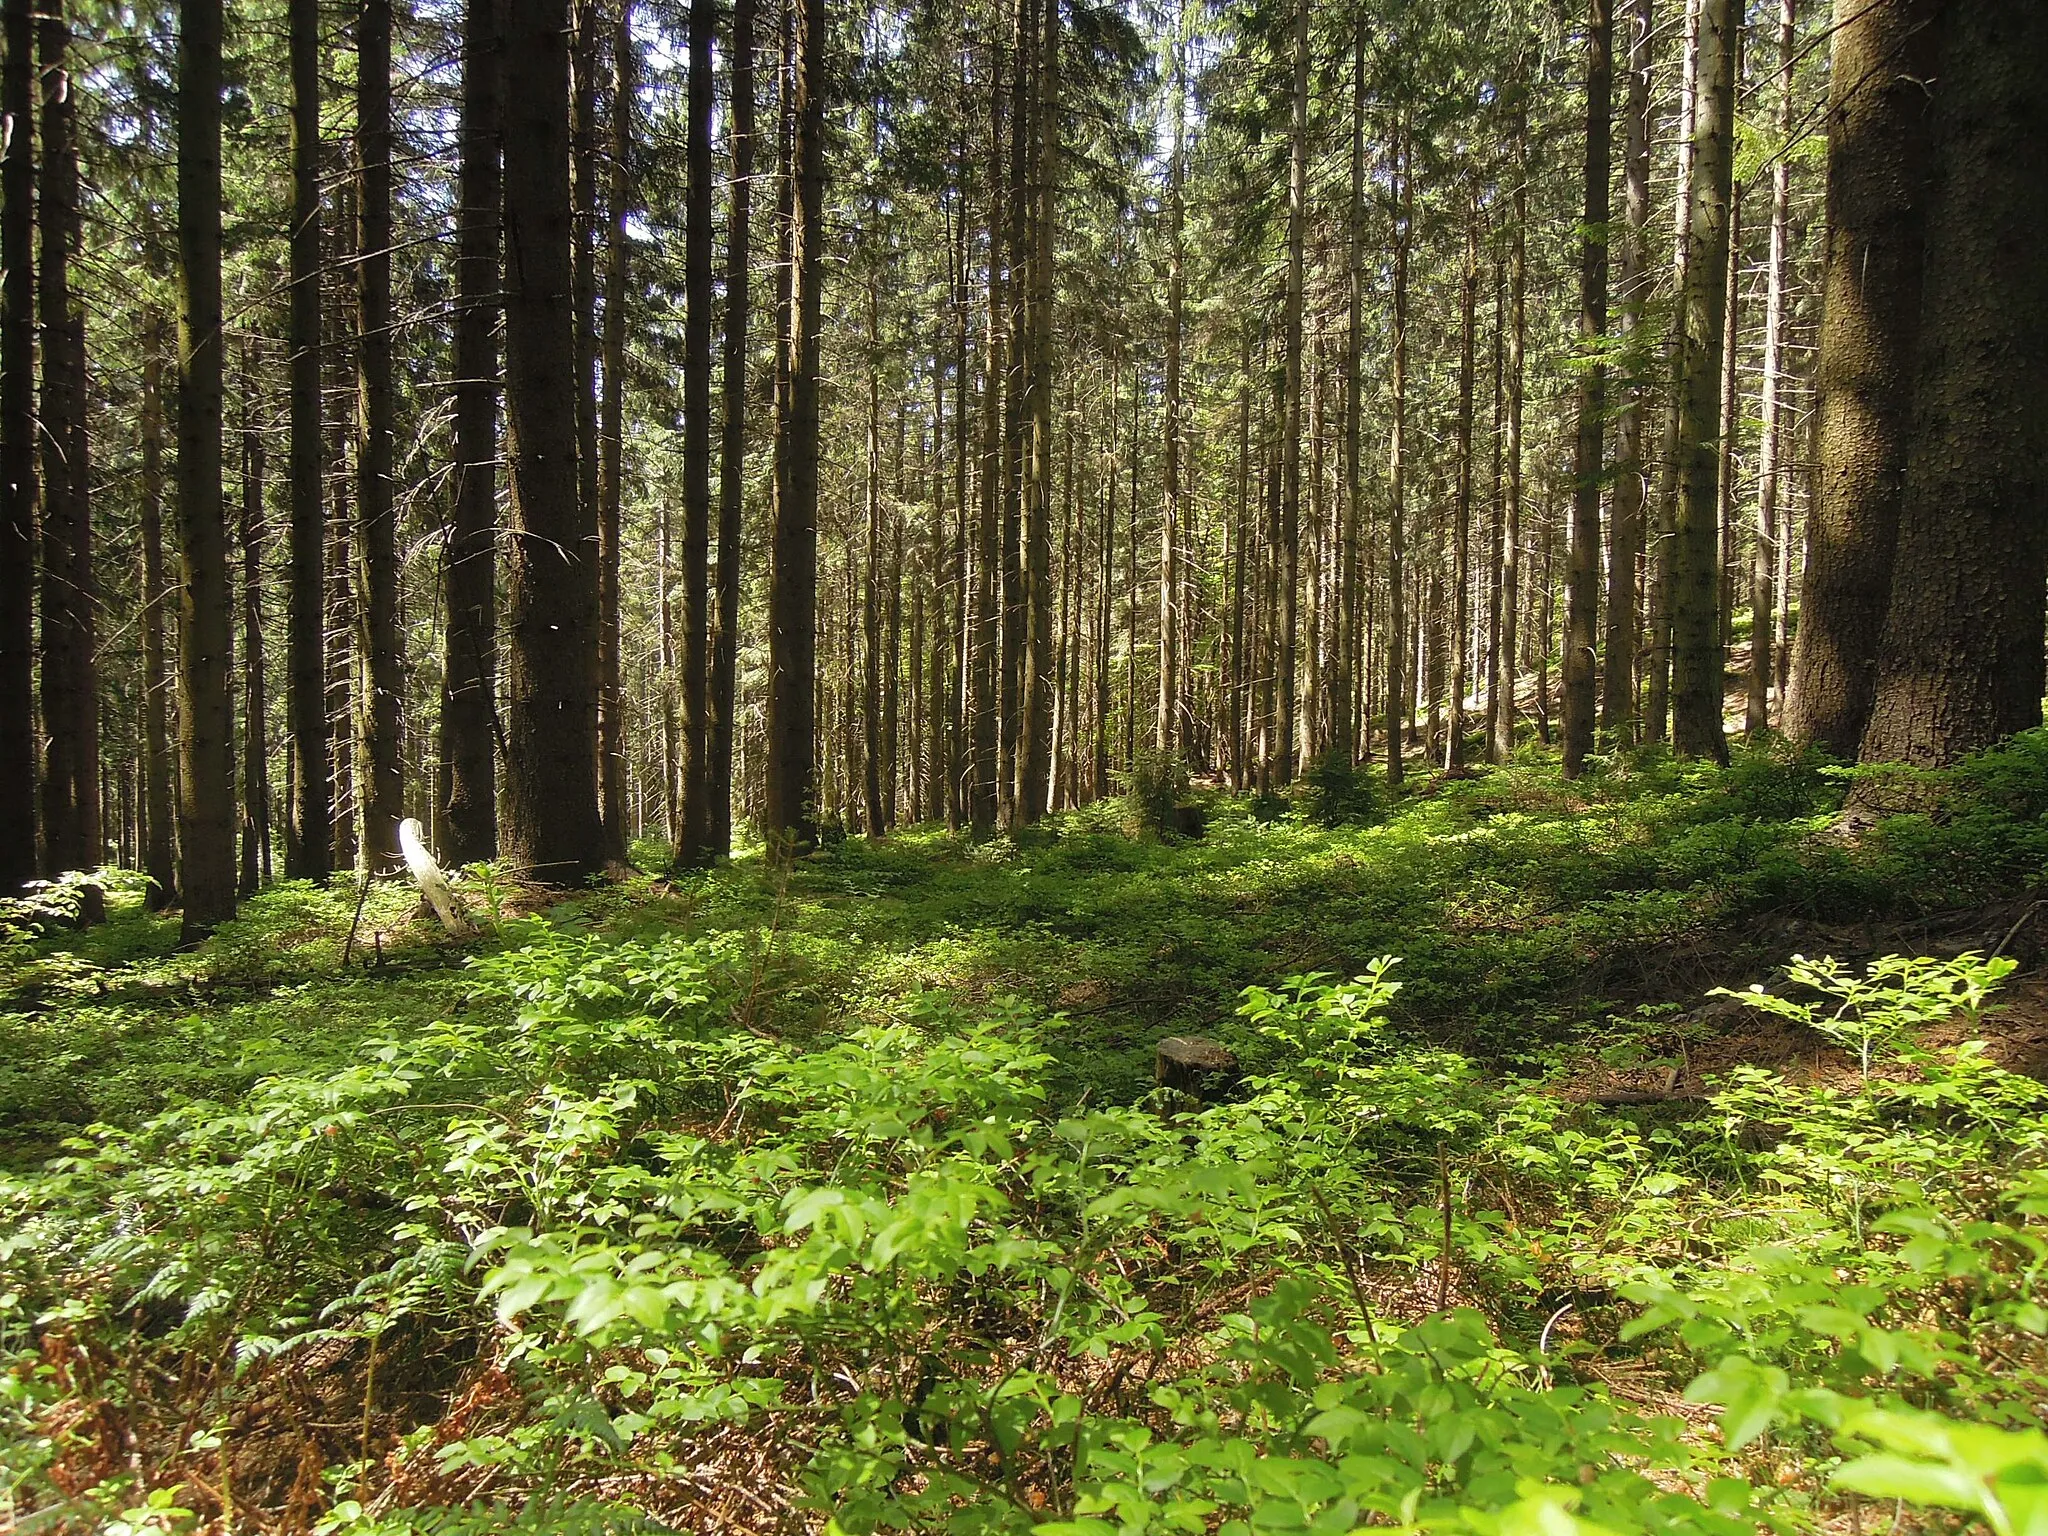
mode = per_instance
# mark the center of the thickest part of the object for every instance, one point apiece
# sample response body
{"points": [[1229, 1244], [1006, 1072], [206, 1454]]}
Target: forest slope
{"points": [[736, 1203]]}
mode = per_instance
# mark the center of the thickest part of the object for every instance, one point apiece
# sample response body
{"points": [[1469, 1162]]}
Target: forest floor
{"points": [[842, 1197]]}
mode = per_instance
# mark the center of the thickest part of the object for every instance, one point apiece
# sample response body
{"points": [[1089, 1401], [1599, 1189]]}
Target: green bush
{"points": [[1154, 788], [1336, 792]]}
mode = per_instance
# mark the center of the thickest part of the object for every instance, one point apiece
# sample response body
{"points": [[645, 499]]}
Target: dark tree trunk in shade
{"points": [[1397, 469], [1697, 658], [1960, 663], [159, 844], [694, 845], [790, 769], [309, 824], [70, 687], [18, 481], [1582, 558], [206, 778], [1511, 451], [1879, 162], [551, 828], [379, 728], [469, 711], [1461, 531], [732, 457], [611, 441]]}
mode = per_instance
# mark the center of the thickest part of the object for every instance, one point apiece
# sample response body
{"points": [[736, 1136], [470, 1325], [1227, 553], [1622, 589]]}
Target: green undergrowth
{"points": [[844, 1187]]}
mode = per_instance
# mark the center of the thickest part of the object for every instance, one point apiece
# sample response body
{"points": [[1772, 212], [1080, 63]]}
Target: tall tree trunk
{"points": [[1960, 664], [1511, 540], [1582, 561], [17, 452], [613, 763], [1351, 510], [1037, 679], [732, 454], [1625, 510], [868, 585], [206, 778], [18, 767], [1763, 564], [1879, 168], [552, 828], [1461, 539], [1397, 468], [70, 686], [695, 846], [1697, 659], [1166, 734], [793, 574], [376, 511], [1291, 390], [469, 711], [309, 826], [255, 870], [159, 851], [1657, 689]]}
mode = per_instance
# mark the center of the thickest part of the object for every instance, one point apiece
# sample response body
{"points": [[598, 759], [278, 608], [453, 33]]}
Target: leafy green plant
{"points": [[1881, 1010]]}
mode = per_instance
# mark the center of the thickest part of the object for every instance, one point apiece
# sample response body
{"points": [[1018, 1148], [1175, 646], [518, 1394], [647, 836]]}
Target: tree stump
{"points": [[1193, 1065], [434, 887]]}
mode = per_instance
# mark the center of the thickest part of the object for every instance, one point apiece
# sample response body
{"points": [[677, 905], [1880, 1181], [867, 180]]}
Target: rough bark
{"points": [[18, 481], [732, 455], [309, 826], [1397, 469], [694, 846], [1879, 163], [1960, 664], [793, 574], [469, 810], [1696, 651], [1626, 507], [255, 866], [206, 778], [1291, 393], [70, 688], [551, 828], [378, 726]]}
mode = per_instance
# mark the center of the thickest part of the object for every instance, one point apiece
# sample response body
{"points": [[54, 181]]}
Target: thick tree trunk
{"points": [[206, 779], [309, 826], [732, 454], [70, 687], [1697, 659], [614, 768], [1879, 165], [1352, 511], [793, 574], [1582, 560], [551, 827], [1038, 680], [1960, 664], [469, 711], [159, 848]]}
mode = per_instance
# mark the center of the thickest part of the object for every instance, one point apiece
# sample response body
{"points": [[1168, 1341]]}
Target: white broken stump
{"points": [[433, 884]]}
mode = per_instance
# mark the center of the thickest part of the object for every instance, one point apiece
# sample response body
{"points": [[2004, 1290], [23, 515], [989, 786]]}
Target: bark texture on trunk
{"points": [[469, 711], [309, 824], [1879, 161], [1695, 586], [1960, 664], [206, 778], [732, 457], [17, 452], [790, 767], [551, 827]]}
